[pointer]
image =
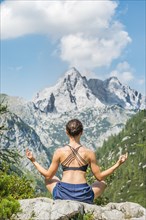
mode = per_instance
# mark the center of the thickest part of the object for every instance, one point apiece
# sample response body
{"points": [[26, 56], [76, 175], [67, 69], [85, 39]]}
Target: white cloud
{"points": [[55, 18], [123, 72], [87, 32], [90, 52]]}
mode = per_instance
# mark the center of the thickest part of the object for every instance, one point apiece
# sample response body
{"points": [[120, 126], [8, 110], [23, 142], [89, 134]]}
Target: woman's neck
{"points": [[74, 141]]}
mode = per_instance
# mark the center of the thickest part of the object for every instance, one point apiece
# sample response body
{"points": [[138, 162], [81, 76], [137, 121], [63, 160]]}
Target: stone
{"points": [[47, 209], [113, 215]]}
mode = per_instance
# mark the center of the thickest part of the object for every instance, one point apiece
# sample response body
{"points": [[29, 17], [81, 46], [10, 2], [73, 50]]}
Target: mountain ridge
{"points": [[102, 102], [80, 93], [72, 97]]}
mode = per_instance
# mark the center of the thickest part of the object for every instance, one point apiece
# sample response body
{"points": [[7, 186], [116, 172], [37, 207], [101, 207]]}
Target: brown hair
{"points": [[74, 127]]}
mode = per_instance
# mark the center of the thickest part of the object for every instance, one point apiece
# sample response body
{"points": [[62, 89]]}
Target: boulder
{"points": [[48, 209]]}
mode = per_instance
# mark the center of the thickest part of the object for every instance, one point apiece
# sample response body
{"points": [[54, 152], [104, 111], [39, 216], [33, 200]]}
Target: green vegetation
{"points": [[13, 184], [19, 187], [128, 183], [8, 207], [85, 216]]}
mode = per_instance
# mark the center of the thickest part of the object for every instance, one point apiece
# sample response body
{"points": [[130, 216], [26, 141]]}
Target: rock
{"points": [[113, 215], [47, 209]]}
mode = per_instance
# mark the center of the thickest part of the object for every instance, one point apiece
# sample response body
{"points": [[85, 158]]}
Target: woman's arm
{"points": [[53, 167], [102, 175]]}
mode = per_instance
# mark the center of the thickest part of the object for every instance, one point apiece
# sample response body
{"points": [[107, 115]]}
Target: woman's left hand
{"points": [[122, 158]]}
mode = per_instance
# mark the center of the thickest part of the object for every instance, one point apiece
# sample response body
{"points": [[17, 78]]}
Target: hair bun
{"points": [[74, 127]]}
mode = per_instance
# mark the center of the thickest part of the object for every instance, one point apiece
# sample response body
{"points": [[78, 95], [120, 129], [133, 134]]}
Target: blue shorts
{"points": [[78, 192]]}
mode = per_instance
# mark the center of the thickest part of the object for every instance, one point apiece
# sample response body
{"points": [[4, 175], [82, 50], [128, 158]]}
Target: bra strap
{"points": [[77, 155], [74, 155]]}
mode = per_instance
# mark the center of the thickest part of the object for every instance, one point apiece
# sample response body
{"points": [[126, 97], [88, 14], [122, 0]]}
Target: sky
{"points": [[41, 40]]}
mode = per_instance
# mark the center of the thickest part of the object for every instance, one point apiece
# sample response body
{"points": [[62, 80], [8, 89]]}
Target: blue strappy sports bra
{"points": [[74, 155]]}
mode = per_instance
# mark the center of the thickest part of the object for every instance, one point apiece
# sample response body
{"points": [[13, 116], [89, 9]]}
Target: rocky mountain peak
{"points": [[70, 93], [112, 83], [72, 72], [113, 79], [71, 78], [75, 92]]}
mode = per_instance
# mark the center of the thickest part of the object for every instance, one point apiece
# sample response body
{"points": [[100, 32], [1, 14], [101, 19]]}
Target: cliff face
{"points": [[47, 209]]}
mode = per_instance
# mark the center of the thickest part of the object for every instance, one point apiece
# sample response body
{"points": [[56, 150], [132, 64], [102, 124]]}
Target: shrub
{"points": [[8, 207]]}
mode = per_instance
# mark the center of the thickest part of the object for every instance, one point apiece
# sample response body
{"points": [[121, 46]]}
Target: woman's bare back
{"points": [[74, 176]]}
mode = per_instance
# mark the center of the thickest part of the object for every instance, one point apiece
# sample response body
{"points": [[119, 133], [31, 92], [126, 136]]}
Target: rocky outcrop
{"points": [[47, 209]]}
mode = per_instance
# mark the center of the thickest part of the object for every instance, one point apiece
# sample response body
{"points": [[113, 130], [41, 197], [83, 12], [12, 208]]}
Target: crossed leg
{"points": [[50, 184], [98, 188]]}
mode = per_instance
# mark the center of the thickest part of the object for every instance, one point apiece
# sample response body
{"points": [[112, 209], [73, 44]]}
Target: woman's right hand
{"points": [[30, 155]]}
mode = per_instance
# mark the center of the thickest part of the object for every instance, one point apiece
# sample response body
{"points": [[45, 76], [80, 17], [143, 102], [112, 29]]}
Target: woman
{"points": [[75, 158]]}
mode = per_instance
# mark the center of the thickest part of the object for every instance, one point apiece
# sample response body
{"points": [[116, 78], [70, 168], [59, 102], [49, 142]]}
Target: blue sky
{"points": [[41, 40]]}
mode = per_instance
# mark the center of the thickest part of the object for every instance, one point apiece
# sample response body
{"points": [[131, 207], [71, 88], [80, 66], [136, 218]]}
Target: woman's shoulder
{"points": [[87, 149], [88, 152], [61, 149]]}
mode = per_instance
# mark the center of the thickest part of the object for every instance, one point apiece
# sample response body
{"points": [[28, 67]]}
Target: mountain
{"points": [[112, 92], [70, 93], [75, 92], [102, 106], [19, 136]]}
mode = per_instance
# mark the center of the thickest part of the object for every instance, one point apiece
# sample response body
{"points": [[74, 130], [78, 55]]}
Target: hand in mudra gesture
{"points": [[30, 155], [122, 158]]}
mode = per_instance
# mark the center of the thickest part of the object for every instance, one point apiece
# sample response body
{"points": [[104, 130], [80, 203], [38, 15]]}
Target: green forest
{"points": [[128, 183]]}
